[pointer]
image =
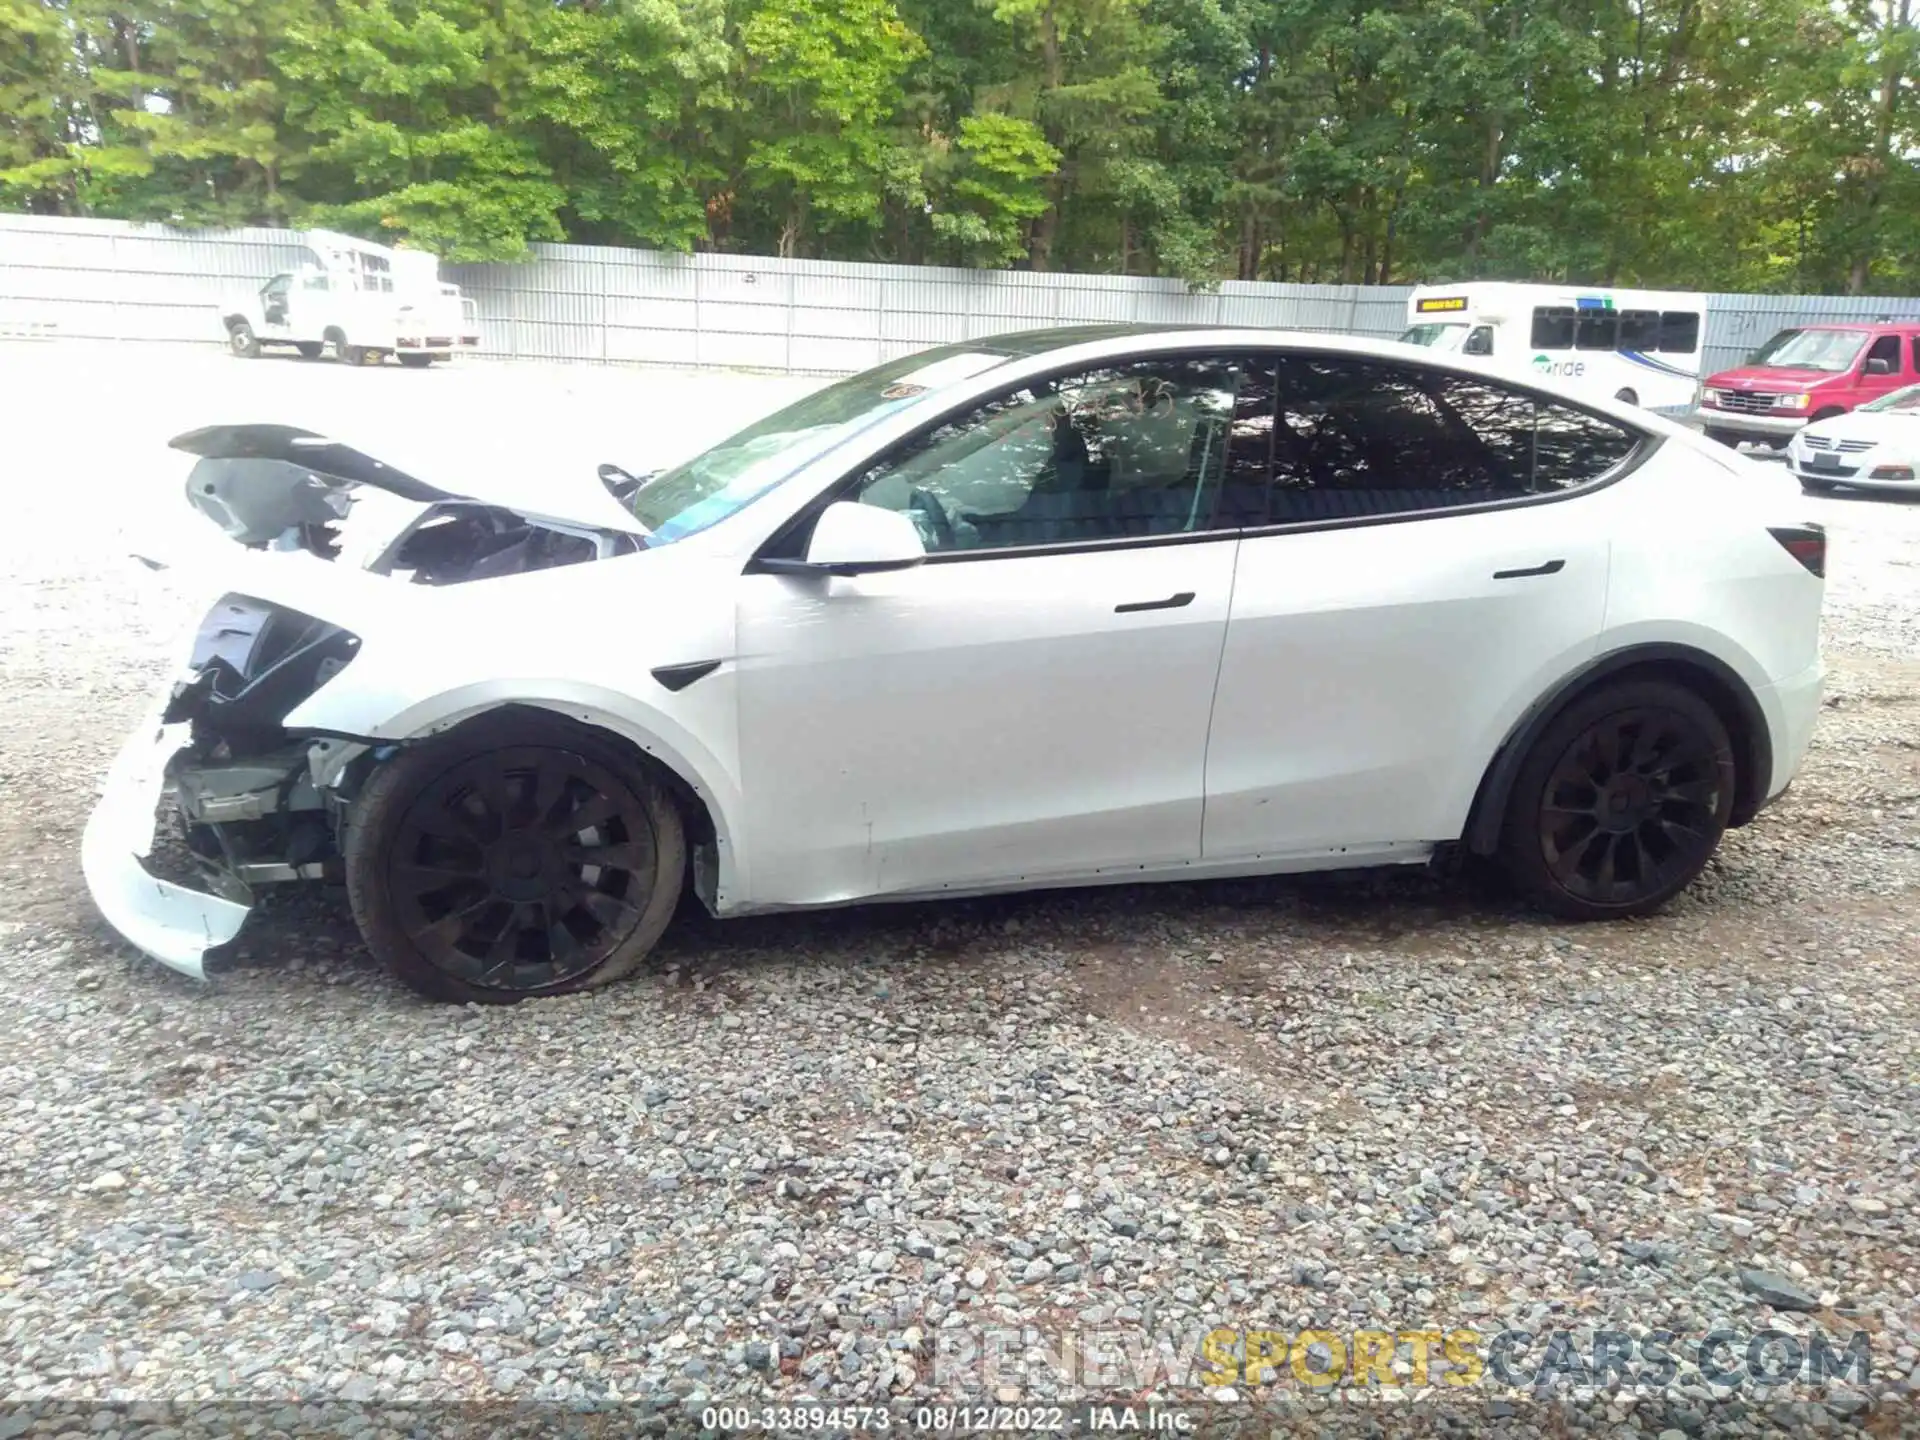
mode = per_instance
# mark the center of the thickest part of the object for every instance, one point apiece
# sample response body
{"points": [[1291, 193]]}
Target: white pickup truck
{"points": [[362, 301]]}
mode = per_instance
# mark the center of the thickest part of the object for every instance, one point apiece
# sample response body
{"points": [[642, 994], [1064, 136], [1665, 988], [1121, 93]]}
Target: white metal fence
{"points": [[110, 280]]}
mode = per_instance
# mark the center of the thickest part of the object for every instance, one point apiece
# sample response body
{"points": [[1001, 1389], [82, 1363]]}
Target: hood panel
{"points": [[261, 472], [1772, 377], [282, 488]]}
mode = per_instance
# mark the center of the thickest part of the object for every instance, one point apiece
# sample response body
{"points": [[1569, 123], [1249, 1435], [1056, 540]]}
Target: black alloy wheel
{"points": [[533, 867], [1622, 801]]}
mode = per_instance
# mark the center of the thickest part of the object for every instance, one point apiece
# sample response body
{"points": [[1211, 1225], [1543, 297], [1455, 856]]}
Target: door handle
{"points": [[1550, 567], [1172, 602]]}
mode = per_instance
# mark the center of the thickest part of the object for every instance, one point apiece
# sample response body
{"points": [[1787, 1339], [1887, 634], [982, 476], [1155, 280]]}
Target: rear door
{"points": [[1409, 587]]}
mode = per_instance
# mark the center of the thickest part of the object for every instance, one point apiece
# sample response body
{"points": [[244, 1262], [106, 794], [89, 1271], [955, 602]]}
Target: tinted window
{"points": [[1640, 330], [1552, 329], [1680, 332], [1122, 451], [1359, 438], [1597, 330]]}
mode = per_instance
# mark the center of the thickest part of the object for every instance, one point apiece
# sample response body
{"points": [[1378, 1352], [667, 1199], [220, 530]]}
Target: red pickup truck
{"points": [[1812, 372]]}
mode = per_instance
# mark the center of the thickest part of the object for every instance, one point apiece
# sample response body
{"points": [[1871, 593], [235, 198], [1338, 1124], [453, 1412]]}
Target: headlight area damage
{"points": [[255, 803]]}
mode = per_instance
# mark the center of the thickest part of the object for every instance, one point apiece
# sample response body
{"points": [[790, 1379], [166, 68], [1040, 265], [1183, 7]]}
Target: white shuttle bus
{"points": [[1640, 346]]}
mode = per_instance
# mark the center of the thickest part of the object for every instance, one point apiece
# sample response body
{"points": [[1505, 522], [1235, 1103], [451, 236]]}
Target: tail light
{"points": [[1806, 543]]}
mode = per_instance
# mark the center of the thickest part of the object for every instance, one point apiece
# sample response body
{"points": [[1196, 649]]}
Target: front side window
{"points": [[1480, 342], [1886, 350], [1361, 438], [715, 484], [1128, 450], [276, 288]]}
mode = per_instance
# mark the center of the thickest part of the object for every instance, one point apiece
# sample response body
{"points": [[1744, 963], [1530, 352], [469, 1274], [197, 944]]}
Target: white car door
{"points": [[1404, 595], [1030, 703]]}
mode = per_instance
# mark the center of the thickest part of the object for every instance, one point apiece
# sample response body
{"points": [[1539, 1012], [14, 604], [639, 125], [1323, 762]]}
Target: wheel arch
{"points": [[1707, 675], [693, 777], [234, 318]]}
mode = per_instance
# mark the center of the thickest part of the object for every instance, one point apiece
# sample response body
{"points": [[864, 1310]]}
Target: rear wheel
{"points": [[310, 349], [416, 362], [511, 858], [242, 341], [1620, 802]]}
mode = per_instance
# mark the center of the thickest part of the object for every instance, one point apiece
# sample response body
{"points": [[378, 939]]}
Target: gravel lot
{"points": [[813, 1156]]}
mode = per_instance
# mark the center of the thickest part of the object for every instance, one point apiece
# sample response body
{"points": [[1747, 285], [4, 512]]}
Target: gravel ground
{"points": [[824, 1156]]}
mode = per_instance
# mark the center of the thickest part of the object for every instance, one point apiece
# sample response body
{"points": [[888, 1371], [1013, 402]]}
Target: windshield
{"points": [[740, 469], [1829, 350], [1435, 337], [1903, 402]]}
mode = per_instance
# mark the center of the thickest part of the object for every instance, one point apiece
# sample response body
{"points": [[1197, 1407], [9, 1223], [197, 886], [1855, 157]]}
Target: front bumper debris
{"points": [[170, 922]]}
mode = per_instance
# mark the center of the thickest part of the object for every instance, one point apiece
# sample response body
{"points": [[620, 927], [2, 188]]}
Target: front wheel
{"points": [[1627, 397], [513, 857], [416, 362], [242, 341], [1620, 802]]}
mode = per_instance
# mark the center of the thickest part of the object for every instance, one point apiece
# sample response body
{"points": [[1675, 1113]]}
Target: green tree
{"points": [[820, 80], [406, 110]]}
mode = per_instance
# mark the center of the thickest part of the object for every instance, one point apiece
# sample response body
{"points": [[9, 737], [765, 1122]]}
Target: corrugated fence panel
{"points": [[111, 280]]}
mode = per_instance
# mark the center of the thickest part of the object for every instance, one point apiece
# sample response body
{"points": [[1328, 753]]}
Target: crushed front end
{"points": [[254, 804]]}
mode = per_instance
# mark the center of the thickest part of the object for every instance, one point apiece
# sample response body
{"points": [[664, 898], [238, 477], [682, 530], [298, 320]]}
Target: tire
{"points": [[310, 349], [242, 341], [465, 895], [1728, 438], [416, 362], [1627, 397], [1566, 798]]}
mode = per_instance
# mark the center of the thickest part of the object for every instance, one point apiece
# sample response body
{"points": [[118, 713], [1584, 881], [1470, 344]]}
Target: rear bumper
{"points": [[1792, 708], [172, 923], [1771, 427]]}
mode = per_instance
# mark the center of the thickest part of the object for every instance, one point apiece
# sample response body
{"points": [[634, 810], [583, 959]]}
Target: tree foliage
{"points": [[1719, 144]]}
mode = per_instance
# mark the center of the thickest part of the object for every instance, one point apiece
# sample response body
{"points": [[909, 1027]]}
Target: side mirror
{"points": [[853, 539], [1878, 366]]}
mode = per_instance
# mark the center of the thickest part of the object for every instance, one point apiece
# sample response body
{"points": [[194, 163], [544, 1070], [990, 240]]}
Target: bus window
{"points": [[1553, 329], [1640, 330], [1597, 330], [1680, 332]]}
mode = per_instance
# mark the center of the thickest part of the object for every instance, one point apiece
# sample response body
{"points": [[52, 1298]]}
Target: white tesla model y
{"points": [[1061, 608]]}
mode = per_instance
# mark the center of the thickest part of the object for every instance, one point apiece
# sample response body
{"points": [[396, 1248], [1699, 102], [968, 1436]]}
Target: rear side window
{"points": [[1679, 332], [1363, 438]]}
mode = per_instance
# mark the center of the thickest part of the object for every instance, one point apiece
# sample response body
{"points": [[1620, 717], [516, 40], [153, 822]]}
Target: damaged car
{"points": [[1071, 607]]}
